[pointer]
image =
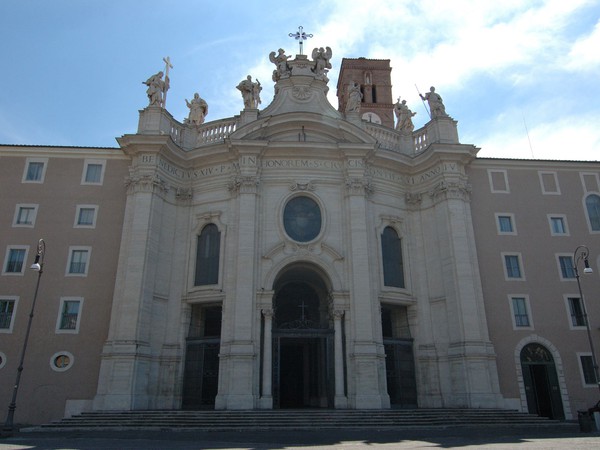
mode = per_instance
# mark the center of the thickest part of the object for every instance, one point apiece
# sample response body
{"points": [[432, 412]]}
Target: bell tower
{"points": [[374, 78]]}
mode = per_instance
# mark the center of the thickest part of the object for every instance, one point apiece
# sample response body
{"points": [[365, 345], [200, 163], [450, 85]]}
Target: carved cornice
{"points": [[244, 184], [359, 186]]}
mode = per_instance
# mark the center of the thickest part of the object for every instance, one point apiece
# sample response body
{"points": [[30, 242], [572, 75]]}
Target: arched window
{"points": [[391, 251], [207, 256], [592, 203]]}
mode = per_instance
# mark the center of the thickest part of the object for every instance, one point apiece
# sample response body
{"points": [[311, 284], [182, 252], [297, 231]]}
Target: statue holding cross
{"points": [[157, 87]]}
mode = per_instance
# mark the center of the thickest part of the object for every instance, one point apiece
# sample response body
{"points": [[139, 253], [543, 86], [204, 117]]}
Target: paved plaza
{"points": [[563, 436]]}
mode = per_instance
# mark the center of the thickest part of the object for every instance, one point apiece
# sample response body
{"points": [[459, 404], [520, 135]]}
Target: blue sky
{"points": [[522, 78]]}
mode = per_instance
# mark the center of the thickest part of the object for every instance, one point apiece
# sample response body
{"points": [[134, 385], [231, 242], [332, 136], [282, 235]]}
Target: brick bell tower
{"points": [[374, 77]]}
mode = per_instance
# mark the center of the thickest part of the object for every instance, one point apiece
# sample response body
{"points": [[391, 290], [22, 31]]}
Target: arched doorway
{"points": [[303, 372], [541, 382]]}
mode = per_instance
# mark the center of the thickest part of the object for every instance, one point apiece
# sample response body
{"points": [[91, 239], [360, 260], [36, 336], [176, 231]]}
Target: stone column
{"points": [[340, 398], [367, 363], [266, 401]]}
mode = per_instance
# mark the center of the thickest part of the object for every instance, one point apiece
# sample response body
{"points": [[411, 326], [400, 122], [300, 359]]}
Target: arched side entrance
{"points": [[541, 382], [302, 340]]}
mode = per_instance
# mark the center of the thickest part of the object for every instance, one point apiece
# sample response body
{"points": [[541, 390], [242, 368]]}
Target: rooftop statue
{"points": [[354, 97], [321, 57], [157, 89], [250, 92], [198, 110], [404, 116], [280, 60], [436, 106]]}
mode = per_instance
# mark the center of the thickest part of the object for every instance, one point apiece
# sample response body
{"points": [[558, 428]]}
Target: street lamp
{"points": [[582, 253], [38, 266]]}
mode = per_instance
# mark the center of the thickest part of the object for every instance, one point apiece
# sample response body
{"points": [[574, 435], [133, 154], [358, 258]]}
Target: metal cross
{"points": [[301, 36], [302, 306]]}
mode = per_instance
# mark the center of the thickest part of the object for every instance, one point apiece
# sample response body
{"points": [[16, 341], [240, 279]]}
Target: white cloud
{"points": [[585, 52]]}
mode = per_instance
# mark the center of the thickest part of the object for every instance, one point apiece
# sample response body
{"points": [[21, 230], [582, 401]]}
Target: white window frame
{"points": [[72, 249], [78, 209], [14, 313], [512, 311], [583, 383], [491, 181], [89, 162], [63, 300], [512, 223], [544, 191], [28, 161], [566, 298], [560, 273], [62, 353], [15, 247], [564, 221], [521, 267], [18, 209]]}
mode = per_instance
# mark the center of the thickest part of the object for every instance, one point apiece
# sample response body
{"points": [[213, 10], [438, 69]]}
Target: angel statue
{"points": [[280, 60], [321, 57]]}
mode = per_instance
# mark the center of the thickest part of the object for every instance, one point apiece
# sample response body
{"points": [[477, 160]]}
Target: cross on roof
{"points": [[300, 36]]}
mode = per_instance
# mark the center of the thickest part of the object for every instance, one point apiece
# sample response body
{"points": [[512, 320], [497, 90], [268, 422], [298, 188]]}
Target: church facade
{"points": [[298, 256]]}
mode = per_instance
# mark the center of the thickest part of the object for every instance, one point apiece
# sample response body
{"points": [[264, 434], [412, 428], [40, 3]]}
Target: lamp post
{"points": [[38, 266], [582, 253]]}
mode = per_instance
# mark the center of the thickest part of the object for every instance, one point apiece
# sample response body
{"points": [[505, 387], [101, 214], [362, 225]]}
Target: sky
{"points": [[521, 77]]}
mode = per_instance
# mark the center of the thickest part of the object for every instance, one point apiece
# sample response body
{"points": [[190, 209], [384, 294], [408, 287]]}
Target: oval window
{"points": [[302, 219]]}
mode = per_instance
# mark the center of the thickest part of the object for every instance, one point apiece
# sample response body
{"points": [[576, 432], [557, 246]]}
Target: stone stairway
{"points": [[296, 419]]}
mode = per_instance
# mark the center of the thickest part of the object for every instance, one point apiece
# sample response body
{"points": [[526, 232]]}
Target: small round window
{"points": [[2, 360], [302, 219], [61, 361]]}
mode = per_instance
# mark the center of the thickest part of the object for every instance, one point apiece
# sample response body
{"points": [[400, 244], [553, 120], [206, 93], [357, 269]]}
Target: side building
{"points": [[297, 256]]}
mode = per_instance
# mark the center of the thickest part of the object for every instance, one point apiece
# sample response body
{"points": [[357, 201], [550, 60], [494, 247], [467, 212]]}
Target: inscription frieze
{"points": [[378, 173]]}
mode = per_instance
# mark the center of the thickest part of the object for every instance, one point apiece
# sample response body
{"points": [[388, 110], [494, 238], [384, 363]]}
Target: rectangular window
{"points": [[576, 312], [566, 267], [587, 369], [78, 261], [505, 223], [85, 216], [558, 225], [521, 315], [549, 182], [93, 172], [512, 266], [69, 313], [7, 313], [498, 181], [35, 169], [15, 259], [25, 215]]}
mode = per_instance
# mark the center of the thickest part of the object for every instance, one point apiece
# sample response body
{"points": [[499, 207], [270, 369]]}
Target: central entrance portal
{"points": [[303, 372]]}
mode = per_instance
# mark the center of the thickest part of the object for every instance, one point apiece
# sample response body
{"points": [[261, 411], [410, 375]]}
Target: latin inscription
{"points": [[323, 164]]}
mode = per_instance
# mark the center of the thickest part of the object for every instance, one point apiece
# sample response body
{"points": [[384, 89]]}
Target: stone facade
{"points": [[298, 256]]}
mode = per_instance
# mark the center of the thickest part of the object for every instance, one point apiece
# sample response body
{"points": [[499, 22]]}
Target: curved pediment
{"points": [[303, 127]]}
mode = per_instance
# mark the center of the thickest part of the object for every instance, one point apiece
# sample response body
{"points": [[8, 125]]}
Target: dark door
{"points": [[400, 373], [302, 372], [541, 382], [201, 375]]}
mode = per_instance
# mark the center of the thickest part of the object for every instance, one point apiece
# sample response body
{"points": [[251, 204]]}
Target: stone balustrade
{"points": [[216, 131]]}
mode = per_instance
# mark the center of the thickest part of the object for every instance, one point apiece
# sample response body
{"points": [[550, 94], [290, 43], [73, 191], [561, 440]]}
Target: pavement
{"points": [[562, 436]]}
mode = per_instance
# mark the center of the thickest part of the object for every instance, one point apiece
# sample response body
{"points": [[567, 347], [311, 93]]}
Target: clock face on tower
{"points": [[371, 117]]}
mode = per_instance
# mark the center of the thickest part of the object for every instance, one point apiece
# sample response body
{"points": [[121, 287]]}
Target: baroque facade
{"points": [[297, 256]]}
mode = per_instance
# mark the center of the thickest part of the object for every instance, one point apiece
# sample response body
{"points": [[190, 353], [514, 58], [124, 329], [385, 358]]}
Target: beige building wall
{"points": [[46, 391], [531, 192]]}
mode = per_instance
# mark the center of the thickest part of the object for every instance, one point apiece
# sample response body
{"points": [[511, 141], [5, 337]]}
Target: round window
{"points": [[302, 219], [61, 361]]}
